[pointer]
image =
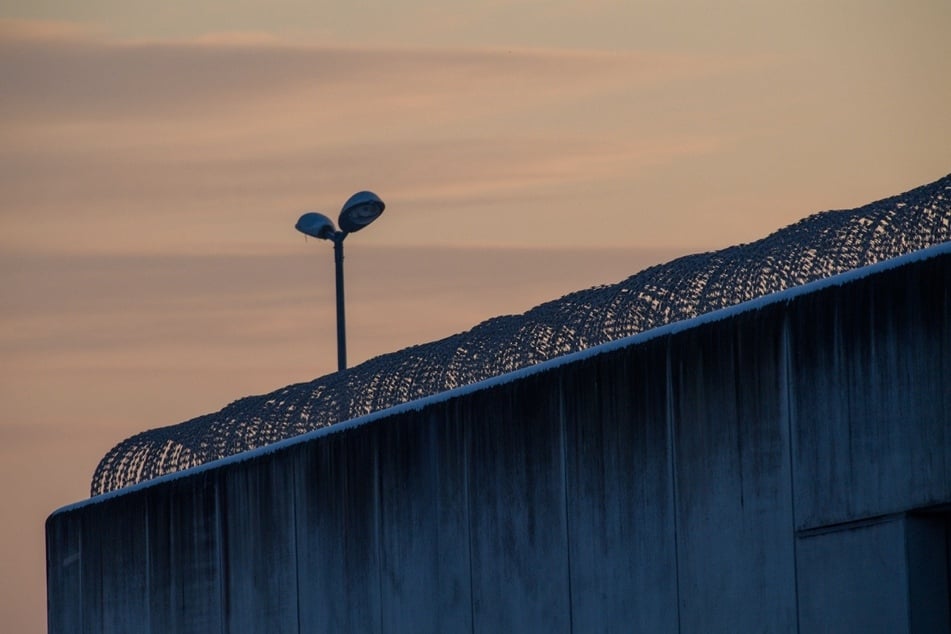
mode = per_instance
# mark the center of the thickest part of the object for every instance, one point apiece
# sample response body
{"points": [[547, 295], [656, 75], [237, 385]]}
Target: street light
{"points": [[360, 210]]}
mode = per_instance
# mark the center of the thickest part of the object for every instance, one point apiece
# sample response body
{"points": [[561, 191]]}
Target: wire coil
{"points": [[816, 247]]}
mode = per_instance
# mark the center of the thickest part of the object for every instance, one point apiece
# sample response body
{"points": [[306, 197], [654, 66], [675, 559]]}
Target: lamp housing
{"points": [[360, 210], [316, 225]]}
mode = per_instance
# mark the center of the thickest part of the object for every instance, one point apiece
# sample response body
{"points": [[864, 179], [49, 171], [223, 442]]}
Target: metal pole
{"points": [[341, 320]]}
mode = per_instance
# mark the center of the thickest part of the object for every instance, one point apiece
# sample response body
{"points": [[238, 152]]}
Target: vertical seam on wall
{"points": [[736, 359], [82, 575], [378, 529], [99, 582], [297, 478], [672, 462], [841, 365], [466, 465], [563, 423], [787, 411], [219, 529], [148, 571]]}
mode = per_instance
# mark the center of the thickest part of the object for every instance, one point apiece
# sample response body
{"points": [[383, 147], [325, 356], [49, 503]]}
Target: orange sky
{"points": [[154, 159]]}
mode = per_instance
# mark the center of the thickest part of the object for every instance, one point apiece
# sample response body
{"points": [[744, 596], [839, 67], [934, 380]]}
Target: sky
{"points": [[155, 156]]}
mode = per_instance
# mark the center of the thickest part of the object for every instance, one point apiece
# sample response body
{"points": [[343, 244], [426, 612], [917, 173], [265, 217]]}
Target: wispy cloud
{"points": [[62, 72], [111, 144]]}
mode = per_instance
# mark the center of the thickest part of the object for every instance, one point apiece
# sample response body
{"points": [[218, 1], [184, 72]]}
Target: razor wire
{"points": [[816, 247]]}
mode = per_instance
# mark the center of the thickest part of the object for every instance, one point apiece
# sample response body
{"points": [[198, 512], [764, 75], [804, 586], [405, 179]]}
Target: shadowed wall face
{"points": [[666, 485]]}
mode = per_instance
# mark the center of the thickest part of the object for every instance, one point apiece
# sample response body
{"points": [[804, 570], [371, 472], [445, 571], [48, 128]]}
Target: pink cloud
{"points": [[117, 144]]}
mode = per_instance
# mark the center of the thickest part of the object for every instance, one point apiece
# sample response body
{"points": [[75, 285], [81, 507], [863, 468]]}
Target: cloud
{"points": [[119, 145], [62, 72]]}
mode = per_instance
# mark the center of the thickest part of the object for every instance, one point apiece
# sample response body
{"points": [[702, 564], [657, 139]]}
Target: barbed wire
{"points": [[816, 247]]}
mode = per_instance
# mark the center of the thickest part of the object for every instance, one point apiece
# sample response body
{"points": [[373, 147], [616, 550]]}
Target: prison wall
{"points": [[781, 467]]}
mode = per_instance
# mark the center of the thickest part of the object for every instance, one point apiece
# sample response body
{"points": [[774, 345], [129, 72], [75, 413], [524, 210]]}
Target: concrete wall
{"points": [[786, 468]]}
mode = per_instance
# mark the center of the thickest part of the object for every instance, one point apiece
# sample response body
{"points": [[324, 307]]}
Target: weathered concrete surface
{"points": [[734, 503], [887, 575], [619, 494], [783, 468]]}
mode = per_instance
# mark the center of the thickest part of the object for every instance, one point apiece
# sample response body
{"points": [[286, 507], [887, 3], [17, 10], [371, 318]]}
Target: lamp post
{"points": [[360, 210]]}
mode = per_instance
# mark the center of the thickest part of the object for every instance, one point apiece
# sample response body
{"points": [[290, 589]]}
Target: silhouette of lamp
{"points": [[360, 210]]}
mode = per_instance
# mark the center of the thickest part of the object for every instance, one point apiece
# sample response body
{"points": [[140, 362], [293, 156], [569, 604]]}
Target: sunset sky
{"points": [[155, 156]]}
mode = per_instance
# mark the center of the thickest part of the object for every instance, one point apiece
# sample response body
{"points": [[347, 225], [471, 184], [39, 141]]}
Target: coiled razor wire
{"points": [[818, 246]]}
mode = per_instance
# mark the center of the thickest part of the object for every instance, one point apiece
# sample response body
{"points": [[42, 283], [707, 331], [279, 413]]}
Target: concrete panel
{"points": [[870, 395], [91, 570], [338, 553], [259, 547], [124, 535], [517, 508], [64, 595], [733, 498], [186, 589], [620, 497], [854, 580], [425, 568]]}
